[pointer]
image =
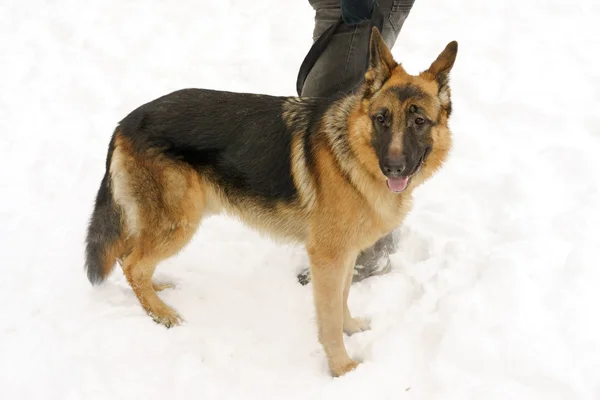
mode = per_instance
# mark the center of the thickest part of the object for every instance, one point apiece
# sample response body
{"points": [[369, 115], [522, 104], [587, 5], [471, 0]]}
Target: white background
{"points": [[495, 290]]}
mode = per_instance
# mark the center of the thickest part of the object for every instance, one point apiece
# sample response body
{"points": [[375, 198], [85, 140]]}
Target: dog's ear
{"points": [[439, 70], [381, 63], [441, 67]]}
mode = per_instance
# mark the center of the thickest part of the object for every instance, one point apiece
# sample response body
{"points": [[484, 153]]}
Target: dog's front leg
{"points": [[351, 325], [329, 269]]}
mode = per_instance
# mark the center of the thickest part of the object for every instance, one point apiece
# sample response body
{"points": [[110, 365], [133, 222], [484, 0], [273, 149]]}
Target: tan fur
{"points": [[162, 202], [303, 180], [284, 222], [114, 252], [343, 207]]}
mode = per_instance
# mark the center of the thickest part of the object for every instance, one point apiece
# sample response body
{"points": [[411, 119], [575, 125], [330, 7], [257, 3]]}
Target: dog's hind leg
{"points": [[162, 202], [139, 270], [168, 235], [151, 247], [171, 228]]}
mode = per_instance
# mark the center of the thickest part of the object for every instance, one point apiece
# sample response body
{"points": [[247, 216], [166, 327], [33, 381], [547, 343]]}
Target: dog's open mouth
{"points": [[400, 183]]}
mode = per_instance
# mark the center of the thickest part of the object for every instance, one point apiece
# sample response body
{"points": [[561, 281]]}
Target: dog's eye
{"points": [[380, 118], [413, 108], [419, 121]]}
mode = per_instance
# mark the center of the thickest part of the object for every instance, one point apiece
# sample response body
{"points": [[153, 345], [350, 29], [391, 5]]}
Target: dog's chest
{"points": [[392, 213], [382, 218]]}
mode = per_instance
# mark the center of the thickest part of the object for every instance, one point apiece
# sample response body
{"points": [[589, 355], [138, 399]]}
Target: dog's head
{"points": [[407, 114]]}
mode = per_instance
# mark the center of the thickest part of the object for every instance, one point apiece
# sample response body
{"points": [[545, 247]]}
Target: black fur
{"points": [[240, 140], [407, 92], [313, 112], [104, 227], [416, 139]]}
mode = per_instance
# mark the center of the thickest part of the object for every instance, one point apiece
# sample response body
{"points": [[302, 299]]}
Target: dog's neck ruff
{"points": [[335, 123]]}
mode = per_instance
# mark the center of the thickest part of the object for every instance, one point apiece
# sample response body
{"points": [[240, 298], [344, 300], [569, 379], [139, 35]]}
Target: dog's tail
{"points": [[104, 243]]}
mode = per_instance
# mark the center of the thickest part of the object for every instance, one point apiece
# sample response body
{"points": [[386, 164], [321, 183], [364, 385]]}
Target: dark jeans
{"points": [[341, 69]]}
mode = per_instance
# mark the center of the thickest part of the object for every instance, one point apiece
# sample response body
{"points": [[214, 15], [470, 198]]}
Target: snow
{"points": [[494, 291]]}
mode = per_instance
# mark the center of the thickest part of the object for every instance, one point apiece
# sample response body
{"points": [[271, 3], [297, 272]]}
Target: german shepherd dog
{"points": [[334, 174]]}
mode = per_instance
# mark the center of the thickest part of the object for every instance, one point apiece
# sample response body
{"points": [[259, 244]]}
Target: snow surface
{"points": [[494, 293]]}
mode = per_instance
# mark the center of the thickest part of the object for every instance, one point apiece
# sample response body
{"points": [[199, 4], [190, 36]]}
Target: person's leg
{"points": [[342, 66], [341, 69]]}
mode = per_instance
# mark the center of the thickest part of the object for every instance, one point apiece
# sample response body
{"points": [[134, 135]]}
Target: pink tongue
{"points": [[398, 184]]}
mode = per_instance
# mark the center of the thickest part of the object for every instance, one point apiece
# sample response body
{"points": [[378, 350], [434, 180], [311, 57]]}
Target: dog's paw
{"points": [[343, 368], [168, 318], [354, 325], [162, 286]]}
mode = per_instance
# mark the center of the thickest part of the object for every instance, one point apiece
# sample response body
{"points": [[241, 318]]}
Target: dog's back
{"points": [[240, 140]]}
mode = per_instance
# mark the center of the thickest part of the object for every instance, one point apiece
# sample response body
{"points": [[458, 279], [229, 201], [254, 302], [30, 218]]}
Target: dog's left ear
{"points": [[439, 71], [381, 63], [440, 68]]}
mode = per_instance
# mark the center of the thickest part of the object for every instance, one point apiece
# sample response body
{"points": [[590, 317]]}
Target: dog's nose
{"points": [[394, 166]]}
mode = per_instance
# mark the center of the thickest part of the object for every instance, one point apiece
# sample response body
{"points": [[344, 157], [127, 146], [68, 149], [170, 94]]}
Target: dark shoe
{"points": [[373, 261]]}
